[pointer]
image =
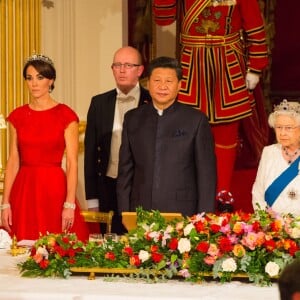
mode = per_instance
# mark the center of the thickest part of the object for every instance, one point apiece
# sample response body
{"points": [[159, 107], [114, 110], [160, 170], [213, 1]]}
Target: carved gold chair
{"points": [[98, 217]]}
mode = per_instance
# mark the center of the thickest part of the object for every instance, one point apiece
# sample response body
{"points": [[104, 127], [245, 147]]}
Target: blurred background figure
{"points": [[289, 281], [223, 52]]}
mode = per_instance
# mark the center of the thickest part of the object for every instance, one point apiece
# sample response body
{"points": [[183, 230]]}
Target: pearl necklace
{"points": [[291, 156]]}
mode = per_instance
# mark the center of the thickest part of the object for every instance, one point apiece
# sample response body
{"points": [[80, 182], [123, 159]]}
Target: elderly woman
{"points": [[277, 183]]}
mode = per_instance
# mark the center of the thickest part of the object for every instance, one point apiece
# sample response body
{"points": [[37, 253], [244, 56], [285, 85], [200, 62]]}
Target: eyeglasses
{"points": [[285, 128], [125, 65]]}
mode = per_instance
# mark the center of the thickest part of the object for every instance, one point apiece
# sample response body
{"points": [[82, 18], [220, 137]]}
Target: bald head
{"points": [[127, 68], [129, 51]]}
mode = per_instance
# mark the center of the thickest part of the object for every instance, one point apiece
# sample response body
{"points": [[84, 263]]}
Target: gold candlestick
{"points": [[15, 249]]}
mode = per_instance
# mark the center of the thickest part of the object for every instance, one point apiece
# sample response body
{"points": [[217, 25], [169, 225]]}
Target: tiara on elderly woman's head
{"points": [[39, 57], [287, 106]]}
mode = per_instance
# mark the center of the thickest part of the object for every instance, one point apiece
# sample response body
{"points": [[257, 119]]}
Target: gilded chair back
{"points": [[98, 217]]}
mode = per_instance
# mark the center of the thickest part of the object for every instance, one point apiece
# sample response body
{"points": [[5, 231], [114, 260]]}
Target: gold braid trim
{"points": [[226, 146]]}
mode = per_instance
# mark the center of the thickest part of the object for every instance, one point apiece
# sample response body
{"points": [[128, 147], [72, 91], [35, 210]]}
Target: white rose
{"points": [[187, 229], [229, 265], [272, 269], [295, 234], [154, 235], [184, 245], [143, 255], [42, 251]]}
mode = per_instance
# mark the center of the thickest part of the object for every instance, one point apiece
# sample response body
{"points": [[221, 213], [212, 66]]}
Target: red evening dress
{"points": [[40, 187]]}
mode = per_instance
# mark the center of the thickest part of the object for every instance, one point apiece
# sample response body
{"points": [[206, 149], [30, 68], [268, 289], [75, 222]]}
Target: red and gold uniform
{"points": [[221, 41]]}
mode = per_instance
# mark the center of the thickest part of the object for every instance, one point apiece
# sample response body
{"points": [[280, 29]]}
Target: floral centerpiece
{"points": [[256, 246]]}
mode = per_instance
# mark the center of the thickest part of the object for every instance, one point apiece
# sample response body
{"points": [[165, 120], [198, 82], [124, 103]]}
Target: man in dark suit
{"points": [[103, 132], [167, 159]]}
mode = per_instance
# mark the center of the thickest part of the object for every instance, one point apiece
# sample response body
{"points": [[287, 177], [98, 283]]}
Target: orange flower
{"points": [[51, 241], [239, 250], [238, 228], [276, 226], [38, 257], [153, 248]]}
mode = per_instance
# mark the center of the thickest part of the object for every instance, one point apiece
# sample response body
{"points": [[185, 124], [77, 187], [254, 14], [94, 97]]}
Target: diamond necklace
{"points": [[291, 156]]}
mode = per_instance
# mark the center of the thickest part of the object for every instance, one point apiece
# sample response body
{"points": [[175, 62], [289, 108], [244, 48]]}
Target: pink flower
{"points": [[209, 260], [213, 250]]}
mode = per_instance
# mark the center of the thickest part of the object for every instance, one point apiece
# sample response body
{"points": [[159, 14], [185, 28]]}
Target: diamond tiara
{"points": [[39, 57], [287, 106]]}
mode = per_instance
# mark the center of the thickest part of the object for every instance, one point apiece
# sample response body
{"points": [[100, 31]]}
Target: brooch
{"points": [[292, 194]]}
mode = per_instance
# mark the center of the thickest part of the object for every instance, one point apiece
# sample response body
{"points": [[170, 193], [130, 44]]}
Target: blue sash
{"points": [[277, 186]]}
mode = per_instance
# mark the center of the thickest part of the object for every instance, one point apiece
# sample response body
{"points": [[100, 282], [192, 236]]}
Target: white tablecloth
{"points": [[77, 287]]}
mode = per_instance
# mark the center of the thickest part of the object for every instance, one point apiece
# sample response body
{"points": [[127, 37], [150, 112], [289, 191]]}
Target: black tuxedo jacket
{"points": [[97, 142], [167, 162]]}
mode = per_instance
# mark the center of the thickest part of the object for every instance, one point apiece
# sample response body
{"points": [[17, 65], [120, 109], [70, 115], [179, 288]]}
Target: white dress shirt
{"points": [[124, 103]]}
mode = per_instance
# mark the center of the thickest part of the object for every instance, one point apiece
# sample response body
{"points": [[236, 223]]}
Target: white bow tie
{"points": [[125, 98]]}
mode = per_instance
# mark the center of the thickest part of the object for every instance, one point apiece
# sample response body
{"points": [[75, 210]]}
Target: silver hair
{"points": [[285, 108]]}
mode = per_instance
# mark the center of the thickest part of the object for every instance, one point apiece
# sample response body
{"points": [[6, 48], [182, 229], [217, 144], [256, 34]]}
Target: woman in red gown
{"points": [[39, 196]]}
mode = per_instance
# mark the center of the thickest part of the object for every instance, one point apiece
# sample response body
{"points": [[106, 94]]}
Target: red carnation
{"points": [[110, 255], [256, 226], [173, 244], [202, 247], [60, 251], [44, 264], [215, 228], [128, 251], [200, 226], [135, 261], [71, 252], [270, 245], [157, 257], [66, 239], [153, 248], [225, 244], [71, 261]]}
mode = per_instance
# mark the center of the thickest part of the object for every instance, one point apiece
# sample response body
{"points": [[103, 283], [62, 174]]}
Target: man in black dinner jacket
{"points": [[103, 132]]}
